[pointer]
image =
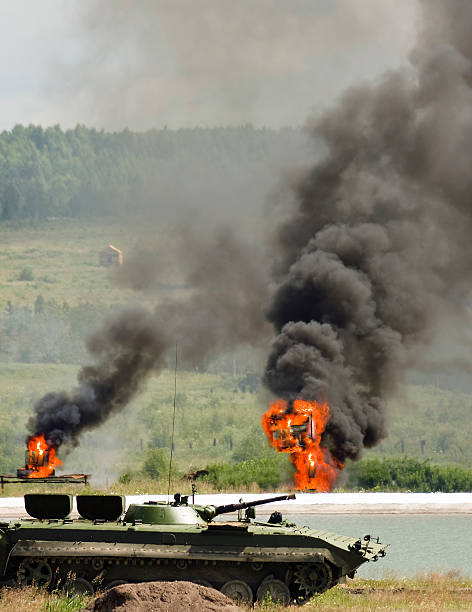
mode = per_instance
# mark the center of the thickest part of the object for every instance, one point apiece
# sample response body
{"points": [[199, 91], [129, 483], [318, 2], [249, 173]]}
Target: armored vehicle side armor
{"points": [[245, 559]]}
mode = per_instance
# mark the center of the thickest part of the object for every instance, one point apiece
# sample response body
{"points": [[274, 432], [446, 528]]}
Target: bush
{"points": [[126, 478], [156, 464], [39, 304], [252, 446], [26, 275], [408, 474], [267, 472]]}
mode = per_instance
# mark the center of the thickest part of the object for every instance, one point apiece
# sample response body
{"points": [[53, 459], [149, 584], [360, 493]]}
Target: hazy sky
{"points": [[180, 63]]}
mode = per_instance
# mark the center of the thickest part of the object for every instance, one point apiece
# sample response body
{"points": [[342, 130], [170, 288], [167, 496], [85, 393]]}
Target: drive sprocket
{"points": [[313, 578], [35, 572]]}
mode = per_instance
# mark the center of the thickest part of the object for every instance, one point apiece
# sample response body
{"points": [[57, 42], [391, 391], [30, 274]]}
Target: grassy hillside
{"points": [[216, 421], [212, 418], [217, 418], [63, 257], [430, 422]]}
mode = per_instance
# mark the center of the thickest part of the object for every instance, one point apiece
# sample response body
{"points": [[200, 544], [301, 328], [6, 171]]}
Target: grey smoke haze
{"points": [[223, 308], [377, 250], [179, 63], [216, 177], [227, 282]]}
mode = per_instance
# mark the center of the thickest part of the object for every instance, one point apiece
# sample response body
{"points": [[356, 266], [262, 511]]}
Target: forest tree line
{"points": [[81, 172]]}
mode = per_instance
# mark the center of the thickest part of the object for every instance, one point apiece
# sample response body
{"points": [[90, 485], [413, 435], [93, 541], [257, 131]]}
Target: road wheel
{"points": [[273, 591], [35, 572], [237, 590], [97, 563]]}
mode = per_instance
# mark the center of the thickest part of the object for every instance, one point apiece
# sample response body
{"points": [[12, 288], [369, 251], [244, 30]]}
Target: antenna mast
{"points": [[173, 421]]}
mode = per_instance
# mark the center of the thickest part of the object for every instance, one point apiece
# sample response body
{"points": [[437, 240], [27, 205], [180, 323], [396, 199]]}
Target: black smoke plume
{"points": [[127, 349], [377, 251], [226, 284]]}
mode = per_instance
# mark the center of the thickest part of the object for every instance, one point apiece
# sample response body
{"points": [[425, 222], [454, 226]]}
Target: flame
{"points": [[297, 429], [42, 459]]}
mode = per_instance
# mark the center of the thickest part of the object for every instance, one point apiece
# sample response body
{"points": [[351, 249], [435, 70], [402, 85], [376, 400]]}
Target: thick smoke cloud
{"points": [[378, 249], [228, 284], [178, 63], [221, 309]]}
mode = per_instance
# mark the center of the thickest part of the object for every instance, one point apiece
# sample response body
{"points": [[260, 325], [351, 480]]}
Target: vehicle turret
{"points": [[162, 513], [181, 513]]}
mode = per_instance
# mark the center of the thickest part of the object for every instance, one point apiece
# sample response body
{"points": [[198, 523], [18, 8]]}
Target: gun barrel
{"points": [[242, 505]]}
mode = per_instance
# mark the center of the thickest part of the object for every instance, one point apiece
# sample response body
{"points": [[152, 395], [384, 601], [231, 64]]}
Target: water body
{"points": [[418, 543]]}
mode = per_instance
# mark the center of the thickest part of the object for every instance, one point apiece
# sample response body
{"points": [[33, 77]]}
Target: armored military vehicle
{"points": [[245, 559]]}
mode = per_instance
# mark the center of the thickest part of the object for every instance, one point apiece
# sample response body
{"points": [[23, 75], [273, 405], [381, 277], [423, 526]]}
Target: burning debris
{"points": [[40, 464], [296, 428], [40, 459]]}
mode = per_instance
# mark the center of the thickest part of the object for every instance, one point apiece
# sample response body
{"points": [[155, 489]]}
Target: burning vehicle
{"points": [[245, 559], [40, 459], [292, 435], [296, 428]]}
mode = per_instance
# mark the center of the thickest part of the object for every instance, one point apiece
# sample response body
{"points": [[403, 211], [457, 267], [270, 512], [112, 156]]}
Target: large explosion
{"points": [[296, 429]]}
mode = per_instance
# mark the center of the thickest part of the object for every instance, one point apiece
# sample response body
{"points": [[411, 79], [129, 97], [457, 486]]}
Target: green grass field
{"points": [[215, 418], [63, 256], [211, 420]]}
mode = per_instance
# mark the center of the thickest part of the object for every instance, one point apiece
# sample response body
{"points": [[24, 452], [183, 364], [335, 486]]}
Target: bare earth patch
{"points": [[169, 596]]}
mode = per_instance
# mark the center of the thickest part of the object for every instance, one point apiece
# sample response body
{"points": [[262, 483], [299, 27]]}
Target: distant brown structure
{"points": [[111, 256]]}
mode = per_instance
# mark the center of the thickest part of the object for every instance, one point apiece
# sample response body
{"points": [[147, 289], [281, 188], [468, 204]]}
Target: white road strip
{"points": [[310, 503]]}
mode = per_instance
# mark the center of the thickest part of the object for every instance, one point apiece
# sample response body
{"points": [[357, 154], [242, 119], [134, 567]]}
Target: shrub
{"points": [[39, 304], [268, 472], [126, 478], [156, 463], [26, 274], [408, 474], [252, 446]]}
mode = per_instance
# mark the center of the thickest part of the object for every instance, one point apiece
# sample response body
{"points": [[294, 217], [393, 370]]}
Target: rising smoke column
{"points": [[377, 251], [126, 349]]}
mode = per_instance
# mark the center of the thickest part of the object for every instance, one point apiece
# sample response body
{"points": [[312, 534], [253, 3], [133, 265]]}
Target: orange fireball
{"points": [[296, 429]]}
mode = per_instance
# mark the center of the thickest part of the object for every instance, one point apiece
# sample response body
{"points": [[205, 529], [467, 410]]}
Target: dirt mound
{"points": [[169, 596]]}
